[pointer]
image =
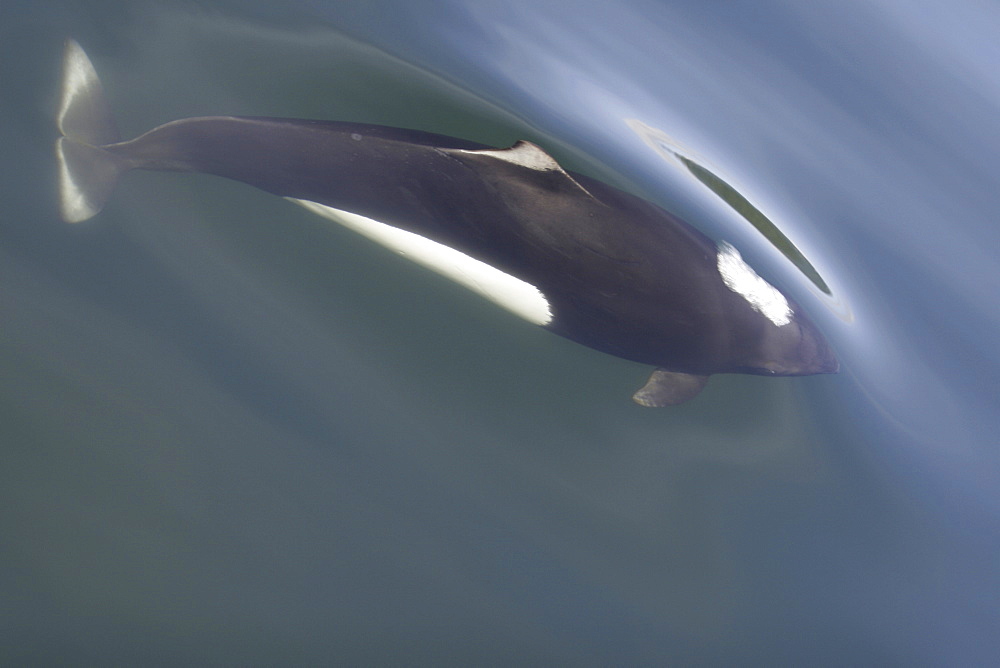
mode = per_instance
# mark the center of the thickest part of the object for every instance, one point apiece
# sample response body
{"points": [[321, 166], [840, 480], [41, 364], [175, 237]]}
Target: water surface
{"points": [[233, 433]]}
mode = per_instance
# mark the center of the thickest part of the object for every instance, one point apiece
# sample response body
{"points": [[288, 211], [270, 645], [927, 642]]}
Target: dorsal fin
{"points": [[522, 154], [669, 388]]}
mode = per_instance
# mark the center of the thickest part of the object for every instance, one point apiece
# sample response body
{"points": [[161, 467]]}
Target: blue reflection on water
{"points": [[234, 432]]}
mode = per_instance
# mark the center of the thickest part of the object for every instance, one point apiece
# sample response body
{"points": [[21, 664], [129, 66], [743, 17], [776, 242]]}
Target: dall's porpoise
{"points": [[564, 251]]}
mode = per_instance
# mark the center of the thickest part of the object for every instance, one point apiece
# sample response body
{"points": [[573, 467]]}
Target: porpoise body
{"points": [[567, 252]]}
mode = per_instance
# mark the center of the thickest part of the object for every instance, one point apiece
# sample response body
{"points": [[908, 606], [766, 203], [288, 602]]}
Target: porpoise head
{"points": [[786, 342], [794, 349]]}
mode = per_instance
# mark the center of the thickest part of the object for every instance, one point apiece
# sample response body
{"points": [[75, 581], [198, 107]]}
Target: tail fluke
{"points": [[87, 172]]}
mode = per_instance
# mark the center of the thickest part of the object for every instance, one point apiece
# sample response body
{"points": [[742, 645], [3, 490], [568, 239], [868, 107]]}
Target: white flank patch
{"points": [[743, 280], [515, 295]]}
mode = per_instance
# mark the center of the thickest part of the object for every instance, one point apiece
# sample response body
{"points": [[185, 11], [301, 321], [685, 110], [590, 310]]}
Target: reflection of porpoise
{"points": [[569, 253]]}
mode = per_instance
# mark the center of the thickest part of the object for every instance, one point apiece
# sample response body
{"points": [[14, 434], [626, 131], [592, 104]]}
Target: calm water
{"points": [[232, 433]]}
